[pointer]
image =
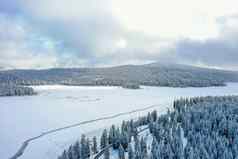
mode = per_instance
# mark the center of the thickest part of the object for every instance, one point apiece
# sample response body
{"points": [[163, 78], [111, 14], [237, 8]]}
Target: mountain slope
{"points": [[155, 74]]}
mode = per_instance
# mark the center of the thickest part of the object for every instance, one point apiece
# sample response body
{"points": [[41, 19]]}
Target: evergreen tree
{"points": [[124, 139], [154, 149], [112, 134], [65, 155], [143, 146], [130, 152], [76, 150], [84, 147], [87, 148], [95, 146], [149, 118], [121, 152], [116, 140], [70, 152], [154, 115], [107, 154], [104, 139]]}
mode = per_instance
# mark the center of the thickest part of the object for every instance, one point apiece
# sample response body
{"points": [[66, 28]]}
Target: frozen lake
{"points": [[59, 106]]}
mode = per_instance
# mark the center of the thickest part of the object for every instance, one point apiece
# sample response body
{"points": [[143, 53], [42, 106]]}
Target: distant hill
{"points": [[155, 74]]}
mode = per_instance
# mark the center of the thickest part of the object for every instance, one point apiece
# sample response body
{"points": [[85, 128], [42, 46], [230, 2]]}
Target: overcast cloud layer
{"points": [[73, 33]]}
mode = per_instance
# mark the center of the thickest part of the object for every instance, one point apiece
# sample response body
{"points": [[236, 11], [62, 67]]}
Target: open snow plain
{"points": [[59, 106]]}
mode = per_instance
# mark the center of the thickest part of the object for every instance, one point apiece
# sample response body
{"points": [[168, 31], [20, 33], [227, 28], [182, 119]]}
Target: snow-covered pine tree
{"points": [[112, 134], [84, 147], [124, 139], [76, 150], [116, 140], [95, 146], [130, 152], [121, 152], [87, 148], [154, 149], [65, 155], [143, 146], [104, 139], [107, 154], [70, 152], [154, 115]]}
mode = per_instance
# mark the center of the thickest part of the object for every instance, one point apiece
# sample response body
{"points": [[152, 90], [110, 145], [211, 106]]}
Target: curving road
{"points": [[24, 145]]}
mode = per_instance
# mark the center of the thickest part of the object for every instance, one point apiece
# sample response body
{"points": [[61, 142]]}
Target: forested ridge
{"points": [[127, 76], [197, 128]]}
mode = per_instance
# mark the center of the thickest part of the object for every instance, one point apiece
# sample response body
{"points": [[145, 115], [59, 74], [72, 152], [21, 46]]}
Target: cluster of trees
{"points": [[131, 85], [14, 90], [138, 150], [203, 127], [10, 85], [78, 150], [117, 138], [197, 128]]}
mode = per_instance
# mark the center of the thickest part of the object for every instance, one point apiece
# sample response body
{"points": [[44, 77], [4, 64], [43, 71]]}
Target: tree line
{"points": [[15, 90], [127, 76]]}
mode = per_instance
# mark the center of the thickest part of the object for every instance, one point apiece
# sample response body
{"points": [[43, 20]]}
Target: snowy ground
{"points": [[59, 106]]}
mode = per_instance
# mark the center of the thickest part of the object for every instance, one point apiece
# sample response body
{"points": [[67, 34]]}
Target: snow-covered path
{"points": [[27, 142]]}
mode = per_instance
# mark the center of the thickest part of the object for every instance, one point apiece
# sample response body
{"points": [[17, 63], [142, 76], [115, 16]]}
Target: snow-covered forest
{"points": [[10, 85], [15, 90], [127, 76], [200, 127]]}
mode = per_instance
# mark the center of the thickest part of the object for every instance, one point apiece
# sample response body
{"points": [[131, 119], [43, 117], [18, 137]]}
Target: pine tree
{"points": [[104, 139], [70, 152], [87, 148], [116, 140], [121, 152], [132, 126], [130, 152], [111, 136], [76, 151], [154, 115], [154, 149], [137, 145], [124, 139], [143, 146], [123, 126], [84, 151], [107, 154], [188, 152], [94, 147], [65, 155]]}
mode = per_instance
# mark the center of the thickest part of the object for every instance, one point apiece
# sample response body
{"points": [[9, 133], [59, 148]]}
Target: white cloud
{"points": [[220, 52], [16, 46], [66, 9], [174, 19], [108, 32]]}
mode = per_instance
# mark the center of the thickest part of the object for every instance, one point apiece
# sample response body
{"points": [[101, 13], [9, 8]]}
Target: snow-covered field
{"points": [[59, 106]]}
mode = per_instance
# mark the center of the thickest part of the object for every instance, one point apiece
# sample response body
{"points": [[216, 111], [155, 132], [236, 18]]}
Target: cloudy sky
{"points": [[82, 33]]}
